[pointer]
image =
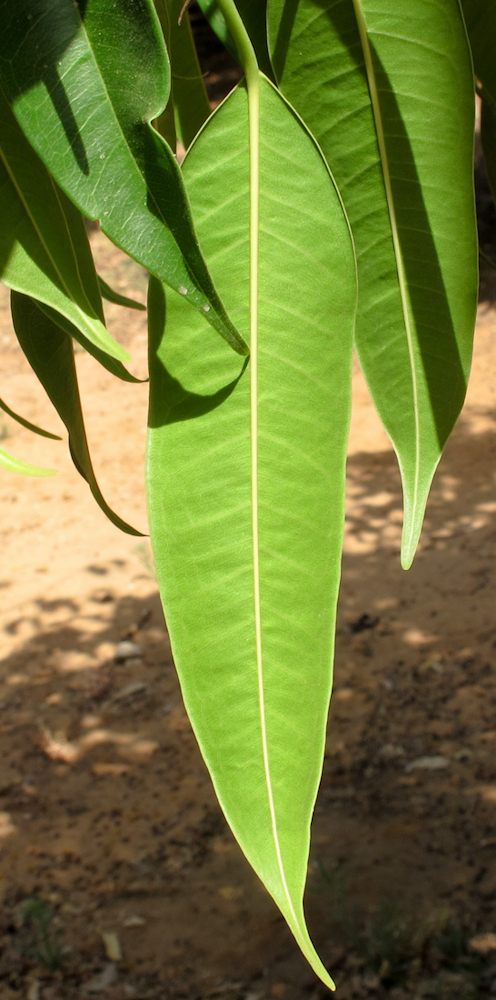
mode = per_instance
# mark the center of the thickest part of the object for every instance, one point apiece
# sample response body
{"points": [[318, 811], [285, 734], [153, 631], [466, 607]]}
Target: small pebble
{"points": [[112, 946], [129, 690], [134, 921], [427, 764], [107, 977], [483, 944], [127, 650]]}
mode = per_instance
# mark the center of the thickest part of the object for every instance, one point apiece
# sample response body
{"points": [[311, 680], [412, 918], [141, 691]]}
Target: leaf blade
{"points": [[27, 423], [94, 135], [44, 250], [119, 300], [326, 66], [11, 464], [50, 354], [200, 485]]}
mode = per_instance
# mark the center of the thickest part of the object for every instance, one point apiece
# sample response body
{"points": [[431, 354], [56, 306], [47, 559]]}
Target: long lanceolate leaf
{"points": [[246, 478], [190, 99], [387, 90], [50, 354], [63, 75], [27, 423], [44, 249], [11, 464]]}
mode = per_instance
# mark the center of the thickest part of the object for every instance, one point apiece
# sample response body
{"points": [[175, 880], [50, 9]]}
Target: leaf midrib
{"points": [[253, 90]]}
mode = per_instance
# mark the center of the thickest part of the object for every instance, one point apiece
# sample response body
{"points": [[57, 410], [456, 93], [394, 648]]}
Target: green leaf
{"points": [[254, 16], [378, 87], [90, 123], [191, 105], [111, 364], [480, 19], [44, 249], [488, 138], [50, 354], [118, 299], [246, 481], [27, 424], [11, 464]]}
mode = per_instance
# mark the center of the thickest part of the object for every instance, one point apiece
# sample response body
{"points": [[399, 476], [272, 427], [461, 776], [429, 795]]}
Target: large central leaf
{"points": [[247, 527], [387, 90]]}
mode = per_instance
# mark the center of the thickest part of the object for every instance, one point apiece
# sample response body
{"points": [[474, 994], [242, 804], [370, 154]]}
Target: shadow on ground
{"points": [[107, 814]]}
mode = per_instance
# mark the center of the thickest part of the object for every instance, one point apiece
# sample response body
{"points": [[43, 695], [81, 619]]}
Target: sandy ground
{"points": [[118, 875]]}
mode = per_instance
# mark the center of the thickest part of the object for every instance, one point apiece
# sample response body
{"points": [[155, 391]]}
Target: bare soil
{"points": [[118, 875]]}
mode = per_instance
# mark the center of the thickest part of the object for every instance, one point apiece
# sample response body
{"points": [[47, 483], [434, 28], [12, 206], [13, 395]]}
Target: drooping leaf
{"points": [[50, 354], [191, 105], [11, 464], [254, 15], [90, 124], [480, 19], [246, 481], [388, 93], [120, 300], [488, 138], [44, 248], [27, 423], [111, 364], [165, 123]]}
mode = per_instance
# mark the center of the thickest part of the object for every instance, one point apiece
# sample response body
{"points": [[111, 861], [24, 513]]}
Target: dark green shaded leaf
{"points": [[119, 300], [50, 354], [27, 424], [63, 77], [480, 19], [254, 15], [44, 249], [111, 364], [191, 105], [488, 138]]}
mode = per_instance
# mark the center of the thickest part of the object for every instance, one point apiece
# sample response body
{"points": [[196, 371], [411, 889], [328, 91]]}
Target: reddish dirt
{"points": [[106, 812]]}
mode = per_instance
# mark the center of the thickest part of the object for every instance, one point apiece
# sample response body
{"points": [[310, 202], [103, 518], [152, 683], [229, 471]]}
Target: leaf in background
{"points": [[84, 93], [254, 16], [480, 18], [488, 138], [111, 364], [191, 105], [11, 464], [232, 511], [378, 87], [44, 249], [27, 424], [116, 297], [50, 354]]}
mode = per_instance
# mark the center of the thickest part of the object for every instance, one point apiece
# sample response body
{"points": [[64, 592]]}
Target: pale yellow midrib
{"points": [[253, 88], [376, 108]]}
